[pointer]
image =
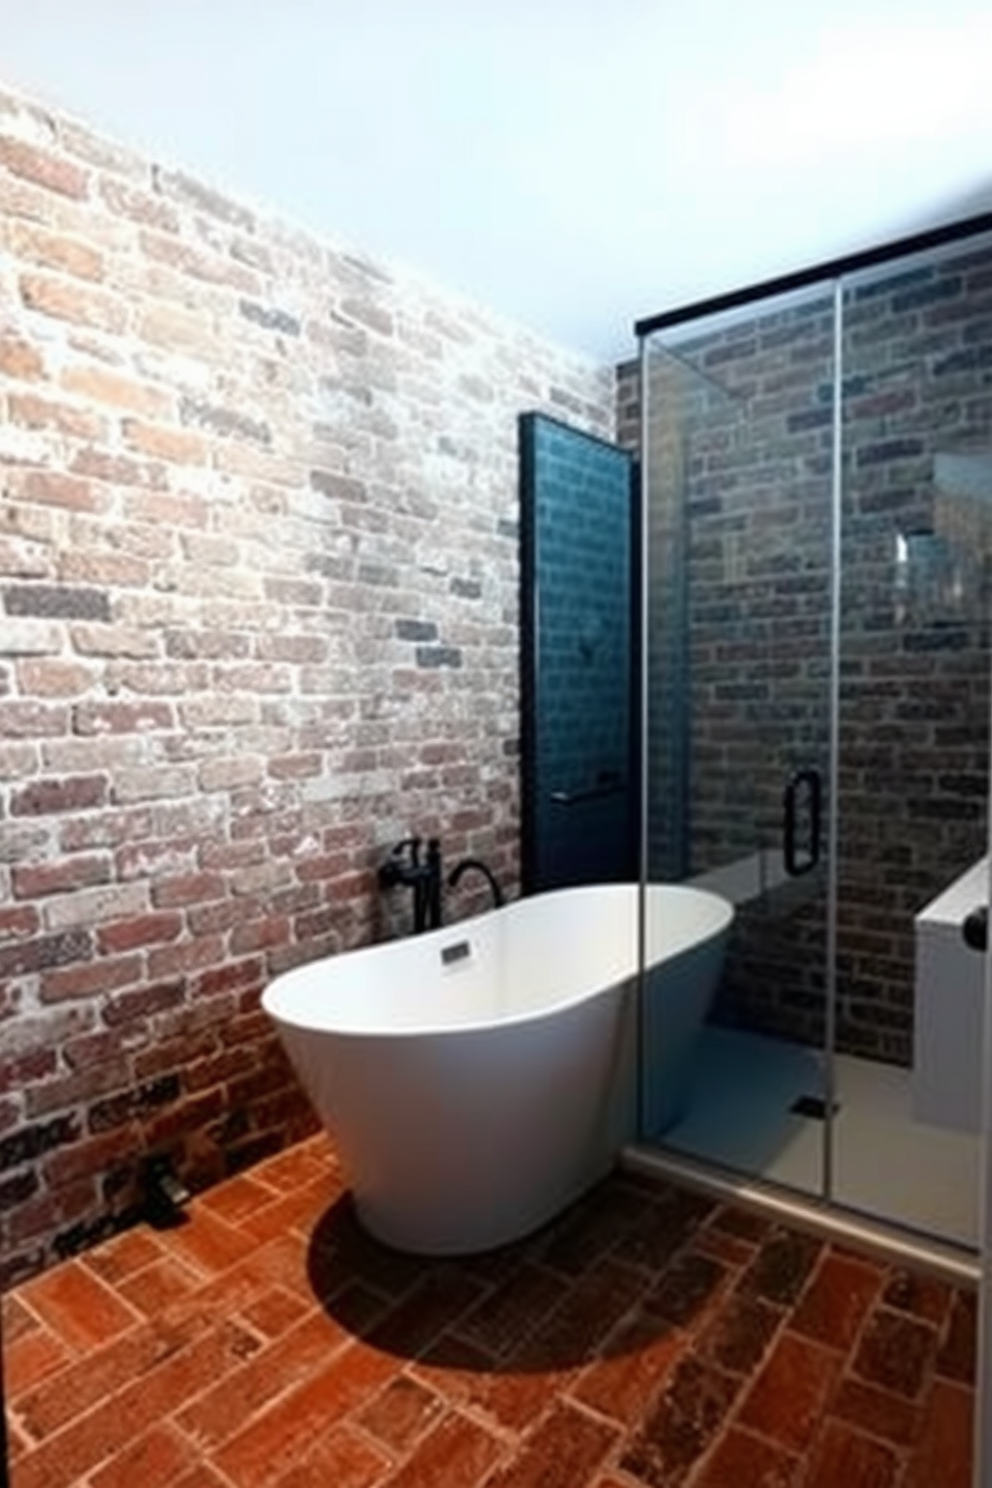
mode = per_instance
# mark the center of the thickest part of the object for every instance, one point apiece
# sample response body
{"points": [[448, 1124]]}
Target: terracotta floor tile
{"points": [[654, 1185], [602, 1219], [723, 1247], [347, 1251], [562, 1452], [99, 1375], [77, 1306], [299, 1209], [17, 1442], [740, 1460], [157, 1458], [895, 1352], [865, 1255], [207, 1243], [458, 1453], [836, 1302], [583, 1320], [274, 1312], [492, 1267], [685, 1287], [299, 1165], [738, 1335], [225, 1408], [453, 1368], [787, 1400], [923, 1296], [69, 1455], [155, 1288], [341, 1460], [282, 1262], [646, 1339], [781, 1267], [513, 1309], [202, 1476], [30, 1359], [401, 1414], [122, 1256], [17, 1318], [943, 1454], [636, 1363], [681, 1425], [433, 1306], [288, 1428], [876, 1411], [957, 1357], [223, 1296], [744, 1224], [357, 1309], [513, 1400], [529, 1377], [286, 1262], [845, 1459], [664, 1228], [237, 1199]]}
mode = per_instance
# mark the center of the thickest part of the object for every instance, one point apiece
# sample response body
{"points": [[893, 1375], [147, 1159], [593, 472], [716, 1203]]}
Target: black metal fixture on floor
{"points": [[165, 1194]]}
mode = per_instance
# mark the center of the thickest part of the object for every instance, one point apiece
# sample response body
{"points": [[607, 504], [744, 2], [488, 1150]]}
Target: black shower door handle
{"points": [[804, 786]]}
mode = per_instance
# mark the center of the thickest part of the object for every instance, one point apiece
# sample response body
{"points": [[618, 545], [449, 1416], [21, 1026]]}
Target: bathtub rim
{"points": [[721, 908]]}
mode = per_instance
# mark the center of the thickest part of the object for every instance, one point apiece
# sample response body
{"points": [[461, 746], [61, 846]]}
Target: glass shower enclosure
{"points": [[817, 519]]}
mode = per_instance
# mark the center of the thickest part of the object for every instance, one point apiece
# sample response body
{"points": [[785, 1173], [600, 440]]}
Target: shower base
{"points": [[887, 1166]]}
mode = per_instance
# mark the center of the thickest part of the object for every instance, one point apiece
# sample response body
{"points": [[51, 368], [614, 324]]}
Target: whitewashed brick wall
{"points": [[258, 619]]}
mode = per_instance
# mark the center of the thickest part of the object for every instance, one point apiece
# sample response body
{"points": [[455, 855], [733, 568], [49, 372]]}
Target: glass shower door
{"points": [[738, 446], [914, 736]]}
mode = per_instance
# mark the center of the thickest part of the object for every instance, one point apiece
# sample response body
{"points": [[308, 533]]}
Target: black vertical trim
{"points": [[636, 653], [526, 441]]}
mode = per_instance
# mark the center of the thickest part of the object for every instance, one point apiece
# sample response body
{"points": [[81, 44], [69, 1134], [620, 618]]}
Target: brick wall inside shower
{"points": [[258, 619], [752, 475]]}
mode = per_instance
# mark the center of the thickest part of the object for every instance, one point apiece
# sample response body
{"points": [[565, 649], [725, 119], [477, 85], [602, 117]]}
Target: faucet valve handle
{"points": [[407, 844], [397, 870]]}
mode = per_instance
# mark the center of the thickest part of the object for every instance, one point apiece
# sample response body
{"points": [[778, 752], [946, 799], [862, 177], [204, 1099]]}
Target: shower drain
{"points": [[814, 1106]]}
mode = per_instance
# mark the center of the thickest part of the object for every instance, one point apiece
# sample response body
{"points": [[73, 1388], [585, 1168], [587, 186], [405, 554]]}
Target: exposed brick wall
{"points": [[258, 619], [742, 499]]}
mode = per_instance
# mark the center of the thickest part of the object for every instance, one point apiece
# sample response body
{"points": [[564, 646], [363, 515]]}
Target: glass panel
{"points": [[739, 486], [914, 736]]}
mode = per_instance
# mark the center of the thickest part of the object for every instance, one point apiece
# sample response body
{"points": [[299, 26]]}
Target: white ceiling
{"points": [[571, 163]]}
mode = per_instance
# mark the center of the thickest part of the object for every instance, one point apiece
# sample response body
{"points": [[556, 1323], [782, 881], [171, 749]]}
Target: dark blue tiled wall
{"points": [[579, 694]]}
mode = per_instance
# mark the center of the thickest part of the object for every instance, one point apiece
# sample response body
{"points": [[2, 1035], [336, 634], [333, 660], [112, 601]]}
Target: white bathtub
{"points": [[478, 1078]]}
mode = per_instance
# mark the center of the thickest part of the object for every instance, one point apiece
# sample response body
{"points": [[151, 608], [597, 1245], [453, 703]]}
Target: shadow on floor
{"points": [[543, 1303]]}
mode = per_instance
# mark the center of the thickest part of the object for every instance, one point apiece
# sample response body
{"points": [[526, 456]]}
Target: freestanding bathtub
{"points": [[479, 1077]]}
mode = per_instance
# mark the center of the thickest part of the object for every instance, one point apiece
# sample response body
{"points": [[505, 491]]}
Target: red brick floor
{"points": [[647, 1337]]}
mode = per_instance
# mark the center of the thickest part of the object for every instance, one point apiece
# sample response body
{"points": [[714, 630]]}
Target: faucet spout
{"points": [[476, 865]]}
